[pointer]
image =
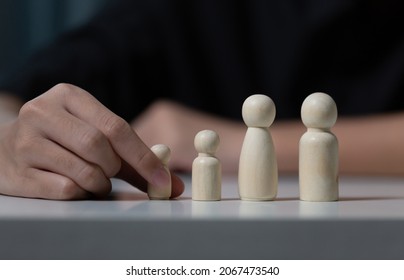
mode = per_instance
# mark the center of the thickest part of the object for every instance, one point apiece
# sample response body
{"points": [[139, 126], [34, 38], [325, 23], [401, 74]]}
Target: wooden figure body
{"points": [[155, 193], [206, 168], [258, 171], [318, 150]]}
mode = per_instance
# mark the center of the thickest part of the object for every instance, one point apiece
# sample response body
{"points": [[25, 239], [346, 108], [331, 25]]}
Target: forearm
{"points": [[9, 107], [286, 135], [370, 145]]}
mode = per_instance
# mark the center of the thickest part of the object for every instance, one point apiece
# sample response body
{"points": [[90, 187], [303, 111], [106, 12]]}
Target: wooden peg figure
{"points": [[258, 169], [318, 150], [159, 193], [206, 168]]}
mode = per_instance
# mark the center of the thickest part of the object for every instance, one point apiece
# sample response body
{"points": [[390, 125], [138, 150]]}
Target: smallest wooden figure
{"points": [[206, 168], [159, 193], [318, 150]]}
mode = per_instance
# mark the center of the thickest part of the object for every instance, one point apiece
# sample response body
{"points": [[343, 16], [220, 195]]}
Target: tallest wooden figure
{"points": [[258, 170]]}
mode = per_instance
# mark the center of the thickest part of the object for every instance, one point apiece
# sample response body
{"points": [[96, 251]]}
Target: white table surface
{"points": [[367, 222]]}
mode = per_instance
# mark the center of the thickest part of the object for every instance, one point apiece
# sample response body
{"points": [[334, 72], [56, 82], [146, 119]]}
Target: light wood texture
{"points": [[258, 171], [159, 193], [206, 168], [318, 150]]}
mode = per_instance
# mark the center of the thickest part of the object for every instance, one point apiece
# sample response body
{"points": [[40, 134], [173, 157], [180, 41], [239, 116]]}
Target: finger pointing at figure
{"points": [[82, 144], [122, 138]]}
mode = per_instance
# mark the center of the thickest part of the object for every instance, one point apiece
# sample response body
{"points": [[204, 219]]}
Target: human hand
{"points": [[66, 145], [176, 126]]}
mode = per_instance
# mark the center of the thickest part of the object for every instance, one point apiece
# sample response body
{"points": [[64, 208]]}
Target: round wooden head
{"points": [[206, 141], [258, 111], [162, 152], [319, 111]]}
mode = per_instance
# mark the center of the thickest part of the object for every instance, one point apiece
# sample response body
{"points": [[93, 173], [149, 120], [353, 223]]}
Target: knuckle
{"points": [[94, 180], [63, 88], [63, 92], [31, 110], [89, 174], [115, 127], [91, 140], [42, 104], [144, 157], [66, 162], [68, 190]]}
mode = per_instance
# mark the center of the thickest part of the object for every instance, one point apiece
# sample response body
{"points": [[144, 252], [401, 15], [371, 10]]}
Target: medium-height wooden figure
{"points": [[206, 168], [258, 170], [318, 150], [155, 193]]}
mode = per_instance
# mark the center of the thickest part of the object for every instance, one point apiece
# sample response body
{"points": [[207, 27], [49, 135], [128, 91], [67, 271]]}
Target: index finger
{"points": [[126, 143]]}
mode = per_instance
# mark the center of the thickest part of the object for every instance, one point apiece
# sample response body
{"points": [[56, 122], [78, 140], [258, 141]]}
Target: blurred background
{"points": [[26, 25]]}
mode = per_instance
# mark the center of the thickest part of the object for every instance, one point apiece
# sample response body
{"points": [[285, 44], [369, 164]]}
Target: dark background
{"points": [[26, 25]]}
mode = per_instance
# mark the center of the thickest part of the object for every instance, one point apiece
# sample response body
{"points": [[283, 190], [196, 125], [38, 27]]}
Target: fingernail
{"points": [[161, 178]]}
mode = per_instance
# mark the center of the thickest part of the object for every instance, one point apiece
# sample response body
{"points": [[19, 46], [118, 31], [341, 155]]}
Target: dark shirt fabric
{"points": [[211, 55]]}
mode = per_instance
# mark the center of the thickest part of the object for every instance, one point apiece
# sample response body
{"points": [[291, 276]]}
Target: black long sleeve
{"points": [[212, 54]]}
